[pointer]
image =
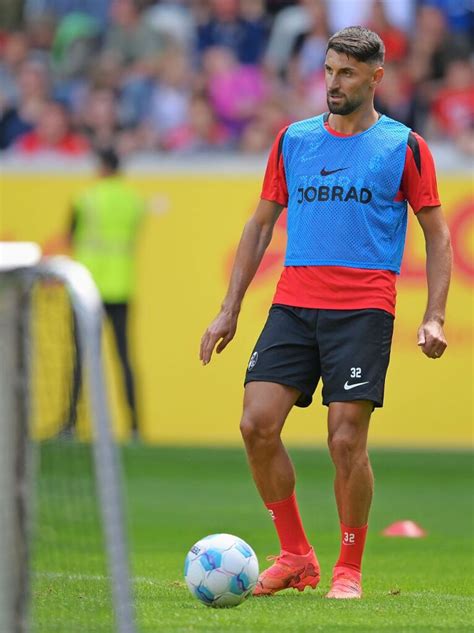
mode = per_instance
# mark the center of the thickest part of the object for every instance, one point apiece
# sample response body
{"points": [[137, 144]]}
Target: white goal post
{"points": [[21, 270]]}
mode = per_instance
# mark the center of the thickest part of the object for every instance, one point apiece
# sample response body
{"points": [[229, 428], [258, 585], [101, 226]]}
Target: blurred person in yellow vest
{"points": [[105, 223]]}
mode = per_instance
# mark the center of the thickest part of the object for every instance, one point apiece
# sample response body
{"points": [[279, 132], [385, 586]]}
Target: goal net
{"points": [[63, 558]]}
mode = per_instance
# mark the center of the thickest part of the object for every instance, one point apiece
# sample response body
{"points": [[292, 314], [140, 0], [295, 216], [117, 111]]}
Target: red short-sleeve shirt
{"points": [[340, 287]]}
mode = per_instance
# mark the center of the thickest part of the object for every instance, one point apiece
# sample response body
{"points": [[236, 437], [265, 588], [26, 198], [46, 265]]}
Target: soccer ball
{"points": [[221, 570]]}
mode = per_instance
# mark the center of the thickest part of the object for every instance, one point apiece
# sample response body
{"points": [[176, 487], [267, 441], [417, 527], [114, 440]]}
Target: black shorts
{"points": [[348, 349]]}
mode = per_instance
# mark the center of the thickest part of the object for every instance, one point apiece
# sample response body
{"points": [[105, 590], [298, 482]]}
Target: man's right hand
{"points": [[221, 329], [255, 238]]}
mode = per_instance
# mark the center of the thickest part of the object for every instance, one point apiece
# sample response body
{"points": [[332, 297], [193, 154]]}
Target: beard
{"points": [[344, 107]]}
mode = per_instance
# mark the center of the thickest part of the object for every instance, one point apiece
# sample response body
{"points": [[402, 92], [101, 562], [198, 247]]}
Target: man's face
{"points": [[53, 124], [349, 83]]}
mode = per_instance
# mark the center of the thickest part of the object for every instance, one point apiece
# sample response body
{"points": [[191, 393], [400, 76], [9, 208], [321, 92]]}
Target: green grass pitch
{"points": [[177, 495]]}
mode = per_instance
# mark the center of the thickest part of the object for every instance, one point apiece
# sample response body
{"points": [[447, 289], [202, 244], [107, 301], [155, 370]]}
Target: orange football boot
{"points": [[289, 571], [346, 584]]}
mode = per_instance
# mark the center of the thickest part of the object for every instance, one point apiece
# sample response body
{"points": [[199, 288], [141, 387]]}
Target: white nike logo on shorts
{"points": [[347, 386]]}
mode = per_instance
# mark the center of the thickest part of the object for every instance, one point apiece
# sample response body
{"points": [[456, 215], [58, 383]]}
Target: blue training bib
{"points": [[341, 209]]}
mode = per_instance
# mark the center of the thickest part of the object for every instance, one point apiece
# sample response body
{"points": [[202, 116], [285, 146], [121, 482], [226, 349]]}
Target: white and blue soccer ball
{"points": [[221, 570]]}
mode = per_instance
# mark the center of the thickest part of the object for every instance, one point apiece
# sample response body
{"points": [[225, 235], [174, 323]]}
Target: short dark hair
{"points": [[109, 158], [360, 43]]}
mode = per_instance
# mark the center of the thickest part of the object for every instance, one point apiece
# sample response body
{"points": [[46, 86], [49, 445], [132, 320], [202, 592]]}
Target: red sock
{"points": [[352, 546], [286, 516]]}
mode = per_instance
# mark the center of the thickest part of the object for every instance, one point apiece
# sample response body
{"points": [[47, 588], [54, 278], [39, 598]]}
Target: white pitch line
{"points": [[88, 577]]}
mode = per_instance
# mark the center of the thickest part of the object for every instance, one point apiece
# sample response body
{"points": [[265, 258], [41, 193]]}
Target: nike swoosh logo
{"points": [[347, 386], [323, 171]]}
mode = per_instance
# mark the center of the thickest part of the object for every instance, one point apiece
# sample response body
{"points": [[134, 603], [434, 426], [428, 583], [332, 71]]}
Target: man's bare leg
{"points": [[266, 407], [348, 425]]}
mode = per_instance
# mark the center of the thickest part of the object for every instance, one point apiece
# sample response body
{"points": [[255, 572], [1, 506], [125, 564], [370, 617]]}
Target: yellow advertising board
{"points": [[184, 258]]}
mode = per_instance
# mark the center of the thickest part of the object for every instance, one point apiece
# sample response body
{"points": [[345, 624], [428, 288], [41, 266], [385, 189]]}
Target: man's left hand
{"points": [[431, 339]]}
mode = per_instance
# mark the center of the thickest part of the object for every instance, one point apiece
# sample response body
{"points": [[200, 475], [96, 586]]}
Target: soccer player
{"points": [[346, 177]]}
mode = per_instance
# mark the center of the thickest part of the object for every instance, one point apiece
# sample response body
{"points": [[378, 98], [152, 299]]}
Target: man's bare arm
{"points": [[255, 239], [431, 337]]}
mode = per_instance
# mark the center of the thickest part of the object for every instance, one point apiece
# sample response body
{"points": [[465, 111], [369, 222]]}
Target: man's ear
{"points": [[377, 76]]}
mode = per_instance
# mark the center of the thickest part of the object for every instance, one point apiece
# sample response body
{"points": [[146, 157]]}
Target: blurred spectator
{"points": [[137, 48], [395, 40], [260, 133], [23, 113], [202, 131], [309, 47], [253, 10], [452, 112], [99, 118], [74, 48], [255, 139], [129, 39], [40, 31], [288, 24], [246, 37], [12, 54], [174, 21], [170, 97], [52, 134], [75, 42], [273, 114], [132, 93], [430, 52], [344, 13], [459, 15], [304, 74], [235, 91], [434, 46], [106, 73], [135, 94], [394, 96], [305, 96]]}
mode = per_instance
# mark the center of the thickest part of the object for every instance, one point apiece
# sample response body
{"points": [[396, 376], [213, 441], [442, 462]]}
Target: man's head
{"points": [[109, 161], [124, 13], [53, 124], [354, 67]]}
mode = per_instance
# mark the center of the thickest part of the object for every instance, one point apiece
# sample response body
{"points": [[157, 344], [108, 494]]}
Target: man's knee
{"points": [[345, 445], [347, 438], [266, 406], [258, 428]]}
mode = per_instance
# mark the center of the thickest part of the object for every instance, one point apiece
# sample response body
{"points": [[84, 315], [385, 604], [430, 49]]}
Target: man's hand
{"points": [[431, 339], [256, 236], [222, 328]]}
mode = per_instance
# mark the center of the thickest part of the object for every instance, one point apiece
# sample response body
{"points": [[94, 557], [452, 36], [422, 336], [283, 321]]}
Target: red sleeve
{"points": [[274, 183], [419, 184]]}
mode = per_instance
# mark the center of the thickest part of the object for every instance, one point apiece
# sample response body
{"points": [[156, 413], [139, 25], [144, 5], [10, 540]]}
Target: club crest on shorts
{"points": [[253, 361]]}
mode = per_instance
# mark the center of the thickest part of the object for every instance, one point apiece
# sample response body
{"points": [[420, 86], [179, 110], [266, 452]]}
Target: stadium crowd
{"points": [[216, 75]]}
